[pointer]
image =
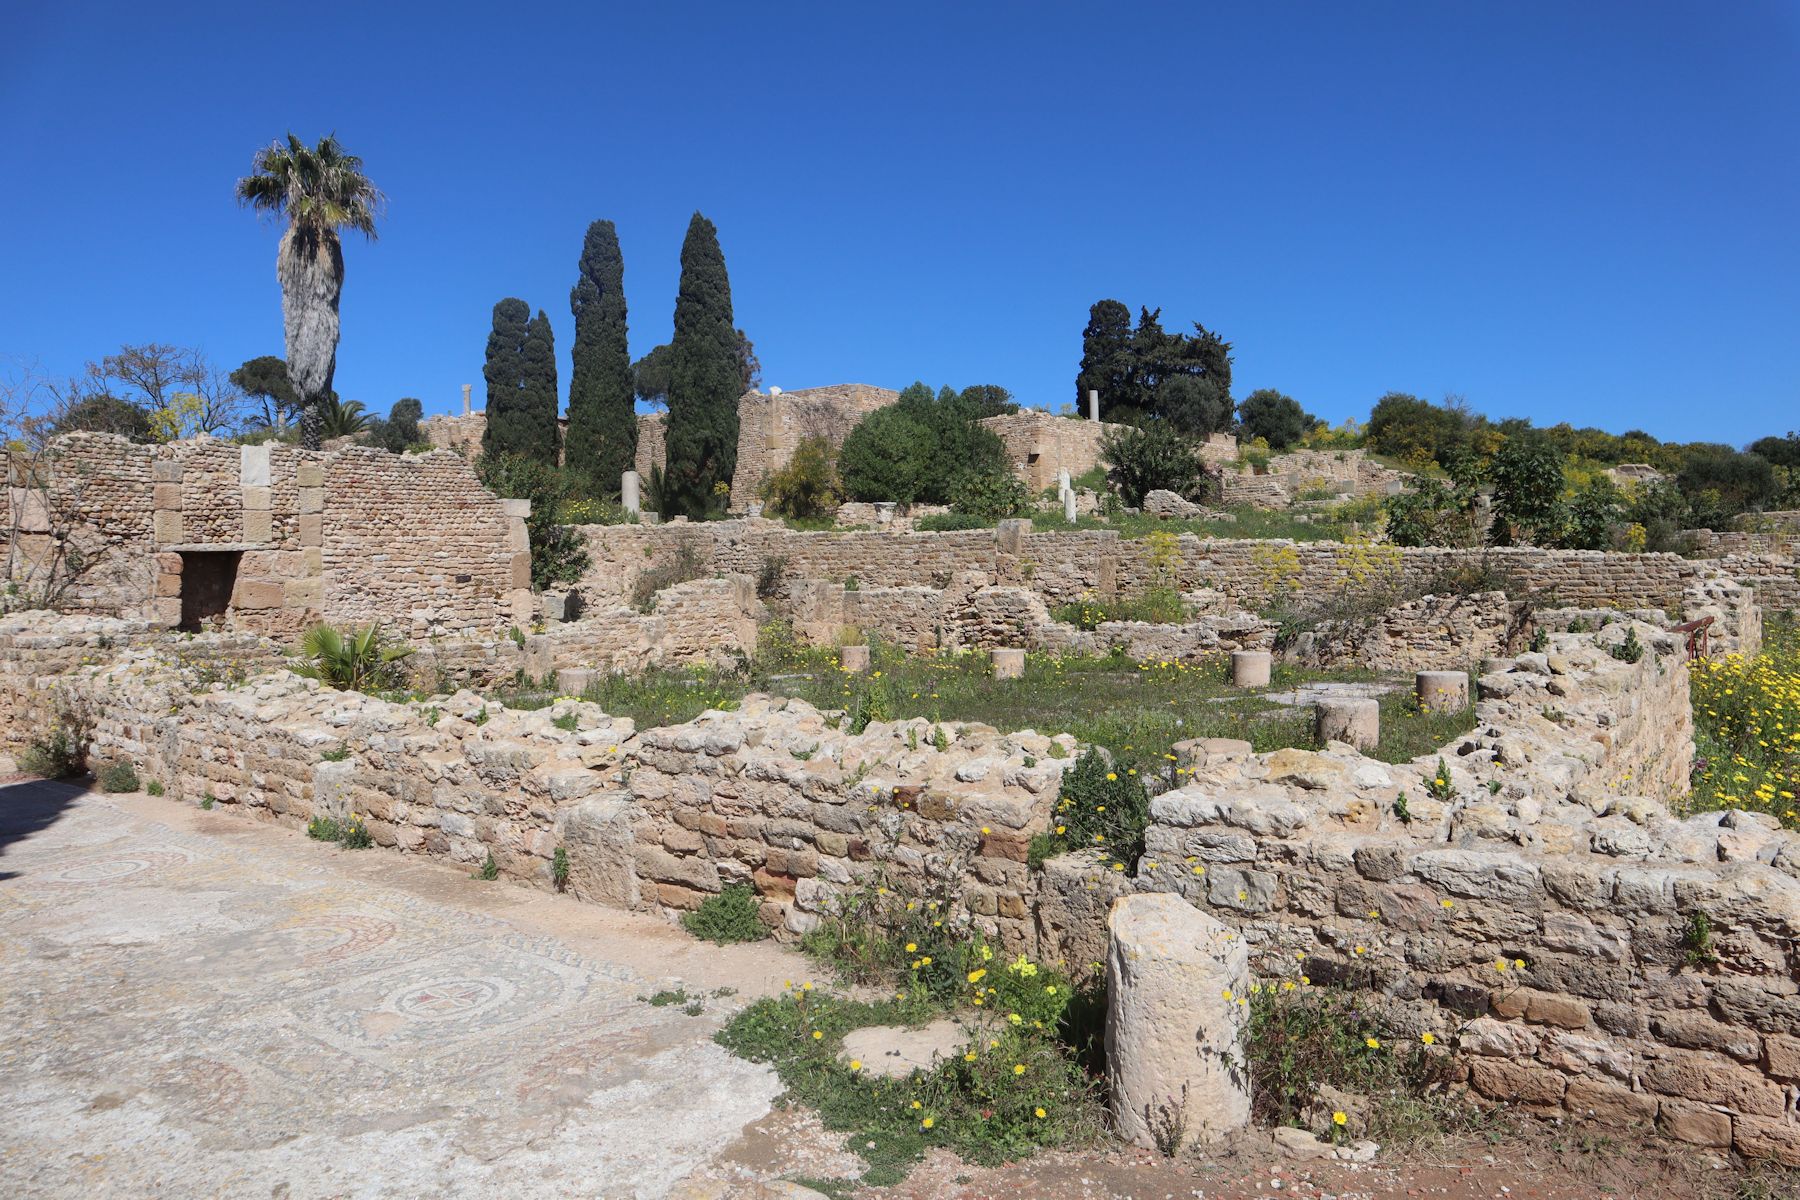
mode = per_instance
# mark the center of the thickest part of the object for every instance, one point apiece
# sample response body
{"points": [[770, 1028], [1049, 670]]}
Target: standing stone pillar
{"points": [[1009, 664], [1355, 721], [1251, 668], [1063, 482], [1093, 406], [1069, 505], [466, 409], [1442, 691], [1174, 1022], [854, 659], [628, 492]]}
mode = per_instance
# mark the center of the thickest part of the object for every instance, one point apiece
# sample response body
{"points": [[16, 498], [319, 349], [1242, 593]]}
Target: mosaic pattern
{"points": [[174, 1006]]}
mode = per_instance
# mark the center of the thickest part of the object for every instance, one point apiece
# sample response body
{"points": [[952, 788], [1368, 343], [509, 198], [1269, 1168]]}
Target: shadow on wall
{"points": [[32, 805]]}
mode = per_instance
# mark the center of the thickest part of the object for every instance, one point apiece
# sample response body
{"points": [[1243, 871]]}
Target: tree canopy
{"points": [[1147, 373], [601, 443], [916, 449], [520, 373], [705, 379]]}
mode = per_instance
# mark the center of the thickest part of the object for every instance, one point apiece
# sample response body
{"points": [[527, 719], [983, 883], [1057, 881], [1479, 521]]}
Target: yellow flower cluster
{"points": [[1747, 729]]}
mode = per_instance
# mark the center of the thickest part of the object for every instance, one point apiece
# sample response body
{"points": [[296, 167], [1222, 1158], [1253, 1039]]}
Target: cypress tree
{"points": [[704, 378], [521, 385], [1106, 359], [602, 440]]}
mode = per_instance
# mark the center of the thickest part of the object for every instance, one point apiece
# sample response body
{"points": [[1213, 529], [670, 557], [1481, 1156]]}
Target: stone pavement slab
{"points": [[196, 1005]]}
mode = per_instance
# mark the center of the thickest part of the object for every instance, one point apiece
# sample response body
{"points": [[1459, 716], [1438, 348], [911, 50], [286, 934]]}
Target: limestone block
{"points": [[555, 606], [168, 585], [166, 527], [165, 470], [1173, 1022], [1009, 664], [312, 500], [165, 496], [854, 659], [259, 526], [312, 529], [258, 499], [521, 571], [257, 593], [304, 593], [166, 611], [253, 467], [602, 866], [1251, 668], [309, 475], [1442, 691], [1343, 719]]}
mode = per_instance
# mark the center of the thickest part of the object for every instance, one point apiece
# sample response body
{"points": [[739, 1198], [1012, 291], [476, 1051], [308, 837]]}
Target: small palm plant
{"points": [[341, 418], [357, 660]]}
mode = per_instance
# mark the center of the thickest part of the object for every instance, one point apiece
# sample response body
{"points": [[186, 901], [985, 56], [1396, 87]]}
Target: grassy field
{"points": [[1747, 729], [1137, 711]]}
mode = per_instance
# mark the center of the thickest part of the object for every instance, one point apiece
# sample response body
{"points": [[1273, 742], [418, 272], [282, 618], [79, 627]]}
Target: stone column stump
{"points": [[1442, 691], [854, 659], [1174, 1024], [1009, 664], [572, 681], [1357, 722], [629, 498], [1251, 668]]}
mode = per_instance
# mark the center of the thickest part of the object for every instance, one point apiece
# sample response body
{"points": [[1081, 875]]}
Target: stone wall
{"points": [[462, 434], [1065, 566], [1040, 445], [772, 425], [1531, 911], [1425, 634], [352, 535], [1287, 476]]}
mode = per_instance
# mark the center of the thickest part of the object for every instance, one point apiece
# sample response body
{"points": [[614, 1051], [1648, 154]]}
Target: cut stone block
{"points": [[1174, 1022], [1009, 664], [1251, 668], [1341, 719], [854, 659]]}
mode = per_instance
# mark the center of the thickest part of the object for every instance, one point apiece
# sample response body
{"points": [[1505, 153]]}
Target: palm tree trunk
{"points": [[311, 270]]}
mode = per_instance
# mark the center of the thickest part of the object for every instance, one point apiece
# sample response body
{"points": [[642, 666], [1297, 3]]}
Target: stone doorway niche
{"points": [[207, 580]]}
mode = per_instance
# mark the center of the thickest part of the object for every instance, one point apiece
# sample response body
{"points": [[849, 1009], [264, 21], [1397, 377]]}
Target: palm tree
{"points": [[320, 189], [340, 418]]}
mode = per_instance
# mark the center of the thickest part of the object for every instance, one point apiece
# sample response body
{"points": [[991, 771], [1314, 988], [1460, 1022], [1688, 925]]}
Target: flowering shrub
{"points": [[1103, 806], [1747, 729]]}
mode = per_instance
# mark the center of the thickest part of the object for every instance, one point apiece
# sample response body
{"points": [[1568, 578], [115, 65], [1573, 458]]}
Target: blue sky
{"points": [[1580, 212]]}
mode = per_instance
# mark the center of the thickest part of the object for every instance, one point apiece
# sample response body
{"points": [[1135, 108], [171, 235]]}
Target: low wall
{"points": [[1065, 566]]}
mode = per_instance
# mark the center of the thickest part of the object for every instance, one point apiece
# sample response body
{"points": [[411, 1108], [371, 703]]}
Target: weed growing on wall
{"points": [[730, 916]]}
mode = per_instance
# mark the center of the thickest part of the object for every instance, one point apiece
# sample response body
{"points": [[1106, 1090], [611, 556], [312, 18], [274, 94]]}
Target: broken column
{"points": [[1009, 664], [1068, 498], [854, 659], [465, 399], [1347, 719], [1093, 406], [1177, 984], [1251, 668], [628, 492], [1442, 691]]}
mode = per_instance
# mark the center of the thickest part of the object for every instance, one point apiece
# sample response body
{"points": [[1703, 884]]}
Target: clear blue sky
{"points": [[1582, 212]]}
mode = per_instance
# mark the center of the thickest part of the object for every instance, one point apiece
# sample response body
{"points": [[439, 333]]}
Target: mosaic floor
{"points": [[183, 1015]]}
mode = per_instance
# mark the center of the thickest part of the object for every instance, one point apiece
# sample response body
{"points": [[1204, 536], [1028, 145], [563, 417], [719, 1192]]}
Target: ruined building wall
{"points": [[346, 536], [1040, 445]]}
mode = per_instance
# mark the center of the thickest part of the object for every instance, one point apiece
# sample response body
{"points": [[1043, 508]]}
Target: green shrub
{"points": [[337, 755], [118, 776], [559, 869], [991, 495], [490, 868], [1276, 419], [730, 916], [807, 486], [54, 757], [354, 835], [1630, 650], [325, 829], [153, 788], [914, 449], [558, 554], [1152, 458]]}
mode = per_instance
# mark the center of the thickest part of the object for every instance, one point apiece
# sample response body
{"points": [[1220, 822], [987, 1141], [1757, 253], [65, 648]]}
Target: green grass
{"points": [[1015, 1086]]}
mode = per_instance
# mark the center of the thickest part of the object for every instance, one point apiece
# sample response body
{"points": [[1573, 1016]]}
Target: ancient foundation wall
{"points": [[1064, 566]]}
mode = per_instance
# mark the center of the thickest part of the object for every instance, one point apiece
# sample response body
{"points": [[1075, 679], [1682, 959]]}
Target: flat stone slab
{"points": [[896, 1051], [1309, 694]]}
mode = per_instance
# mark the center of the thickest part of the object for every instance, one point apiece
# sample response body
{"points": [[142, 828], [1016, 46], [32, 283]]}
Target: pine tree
{"points": [[704, 378], [602, 440], [521, 385]]}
